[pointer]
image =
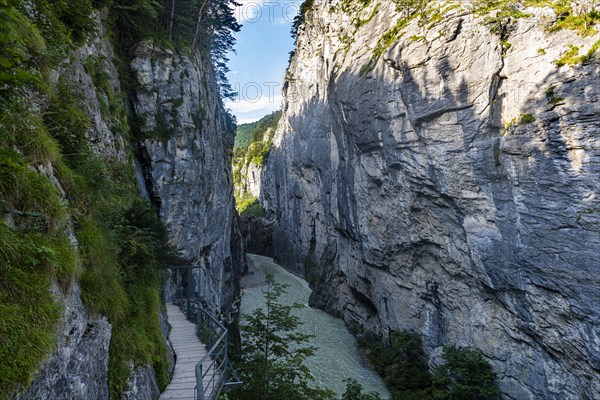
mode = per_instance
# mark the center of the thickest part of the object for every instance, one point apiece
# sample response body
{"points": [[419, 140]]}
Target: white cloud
{"points": [[250, 111], [249, 11], [274, 11], [247, 120], [265, 103]]}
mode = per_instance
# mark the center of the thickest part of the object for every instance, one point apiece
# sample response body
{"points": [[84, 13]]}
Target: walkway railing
{"points": [[213, 369]]}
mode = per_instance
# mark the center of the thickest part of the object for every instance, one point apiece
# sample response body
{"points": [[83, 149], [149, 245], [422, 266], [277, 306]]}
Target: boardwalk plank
{"points": [[189, 351]]}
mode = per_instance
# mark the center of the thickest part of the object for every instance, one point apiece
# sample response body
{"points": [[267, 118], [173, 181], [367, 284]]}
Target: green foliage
{"points": [[526, 119], [246, 134], [34, 253], [21, 45], [273, 354], [501, 14], [111, 107], [252, 145], [68, 124], [582, 22], [551, 96], [305, 7], [28, 312], [122, 245], [570, 57], [124, 248], [24, 189], [78, 22], [592, 54], [408, 8], [401, 361], [138, 340], [243, 135], [384, 42], [183, 28], [354, 391], [464, 375], [249, 206], [508, 125]]}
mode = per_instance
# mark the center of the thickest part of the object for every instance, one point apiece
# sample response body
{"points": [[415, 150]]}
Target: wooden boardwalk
{"points": [[189, 351]]}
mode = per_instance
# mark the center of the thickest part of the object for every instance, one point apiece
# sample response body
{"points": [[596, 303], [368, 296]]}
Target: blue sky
{"points": [[262, 48]]}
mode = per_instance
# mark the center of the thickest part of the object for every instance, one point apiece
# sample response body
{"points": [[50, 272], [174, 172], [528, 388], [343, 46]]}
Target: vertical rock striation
{"points": [[449, 186], [78, 368], [188, 163]]}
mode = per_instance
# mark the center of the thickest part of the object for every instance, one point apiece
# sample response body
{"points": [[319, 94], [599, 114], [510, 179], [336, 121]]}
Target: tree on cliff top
{"points": [[273, 354]]}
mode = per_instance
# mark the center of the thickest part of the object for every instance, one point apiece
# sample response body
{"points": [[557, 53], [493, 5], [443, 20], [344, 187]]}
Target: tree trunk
{"points": [[198, 21], [171, 20]]}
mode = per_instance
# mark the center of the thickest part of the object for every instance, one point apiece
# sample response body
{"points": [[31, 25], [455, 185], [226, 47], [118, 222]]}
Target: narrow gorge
{"points": [[434, 169], [440, 173]]}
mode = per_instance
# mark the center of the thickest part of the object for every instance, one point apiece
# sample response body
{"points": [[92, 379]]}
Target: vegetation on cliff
{"points": [[252, 146], [402, 363], [51, 181], [500, 15]]}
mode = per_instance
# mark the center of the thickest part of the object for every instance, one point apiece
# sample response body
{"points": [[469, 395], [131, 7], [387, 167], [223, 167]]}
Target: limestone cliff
{"points": [[181, 137], [187, 163], [78, 367], [440, 174]]}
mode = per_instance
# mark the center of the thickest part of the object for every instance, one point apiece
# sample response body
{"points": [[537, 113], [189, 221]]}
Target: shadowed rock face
{"points": [[188, 168], [78, 367], [396, 194]]}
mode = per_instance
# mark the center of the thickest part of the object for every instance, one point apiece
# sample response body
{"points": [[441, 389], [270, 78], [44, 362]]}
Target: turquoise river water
{"points": [[337, 357]]}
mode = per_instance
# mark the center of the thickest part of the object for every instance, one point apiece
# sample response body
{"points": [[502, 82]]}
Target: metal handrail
{"points": [[212, 358], [215, 337]]}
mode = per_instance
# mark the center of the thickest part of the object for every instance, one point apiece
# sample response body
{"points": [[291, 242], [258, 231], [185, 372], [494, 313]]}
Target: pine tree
{"points": [[273, 354], [354, 391], [465, 375]]}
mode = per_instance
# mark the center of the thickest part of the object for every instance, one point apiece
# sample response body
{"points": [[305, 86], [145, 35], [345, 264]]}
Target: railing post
{"points": [[189, 291], [213, 334], [225, 358], [199, 383]]}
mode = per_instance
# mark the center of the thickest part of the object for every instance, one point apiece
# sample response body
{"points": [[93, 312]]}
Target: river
{"points": [[337, 357]]}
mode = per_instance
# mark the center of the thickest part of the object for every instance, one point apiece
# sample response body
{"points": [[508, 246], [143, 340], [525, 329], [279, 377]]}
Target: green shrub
{"points": [[102, 289], [551, 97], [24, 189], [68, 124], [122, 244], [464, 375], [526, 119], [28, 311], [305, 7], [249, 206], [21, 44], [354, 391], [408, 8], [272, 364], [569, 57], [401, 362]]}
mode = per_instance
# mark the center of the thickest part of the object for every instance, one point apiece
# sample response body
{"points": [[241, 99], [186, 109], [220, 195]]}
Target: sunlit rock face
{"points": [[408, 199], [187, 164]]}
